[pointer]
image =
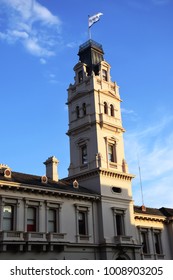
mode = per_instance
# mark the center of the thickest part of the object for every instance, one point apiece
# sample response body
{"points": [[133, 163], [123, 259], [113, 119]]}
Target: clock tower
{"points": [[95, 125], [97, 159]]}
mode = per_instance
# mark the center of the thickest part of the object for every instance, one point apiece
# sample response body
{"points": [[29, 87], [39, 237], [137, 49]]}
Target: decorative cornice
{"points": [[100, 171], [149, 217], [45, 191]]}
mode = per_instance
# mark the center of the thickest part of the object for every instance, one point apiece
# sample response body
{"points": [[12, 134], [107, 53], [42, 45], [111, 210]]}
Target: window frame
{"points": [[144, 239], [32, 227], [84, 109], [84, 154], [77, 112], [112, 159], [157, 247], [82, 223], [119, 212], [51, 205], [80, 76], [37, 204], [104, 75], [112, 155], [10, 220], [105, 105], [112, 110], [52, 221], [84, 210]]}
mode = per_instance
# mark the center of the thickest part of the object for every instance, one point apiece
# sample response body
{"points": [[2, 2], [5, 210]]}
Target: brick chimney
{"points": [[52, 168]]}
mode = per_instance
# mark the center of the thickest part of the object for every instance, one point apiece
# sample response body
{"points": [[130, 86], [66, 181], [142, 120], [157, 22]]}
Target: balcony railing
{"points": [[115, 122], [31, 236], [11, 236], [85, 120], [35, 236], [55, 237]]}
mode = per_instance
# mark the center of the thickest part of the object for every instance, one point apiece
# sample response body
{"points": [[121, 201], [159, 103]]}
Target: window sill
{"points": [[112, 164], [84, 237]]}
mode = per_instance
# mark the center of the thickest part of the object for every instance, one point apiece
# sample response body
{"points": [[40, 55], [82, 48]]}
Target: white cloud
{"points": [[126, 111], [72, 45], [35, 48], [33, 25], [43, 61], [19, 34], [153, 146], [43, 14]]}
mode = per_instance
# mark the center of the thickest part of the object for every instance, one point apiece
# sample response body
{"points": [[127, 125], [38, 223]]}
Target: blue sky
{"points": [[39, 42]]}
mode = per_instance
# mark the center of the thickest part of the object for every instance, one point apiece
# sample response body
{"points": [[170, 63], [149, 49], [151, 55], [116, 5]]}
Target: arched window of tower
{"points": [[105, 108], [112, 110]]}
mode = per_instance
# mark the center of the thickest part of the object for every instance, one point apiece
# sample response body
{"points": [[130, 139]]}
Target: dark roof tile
{"points": [[34, 180], [149, 211]]}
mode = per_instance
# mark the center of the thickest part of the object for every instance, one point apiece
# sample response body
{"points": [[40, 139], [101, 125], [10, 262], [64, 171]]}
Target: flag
{"points": [[93, 19]]}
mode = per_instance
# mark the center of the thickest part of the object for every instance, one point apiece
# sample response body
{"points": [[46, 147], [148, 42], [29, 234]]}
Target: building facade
{"points": [[91, 213]]}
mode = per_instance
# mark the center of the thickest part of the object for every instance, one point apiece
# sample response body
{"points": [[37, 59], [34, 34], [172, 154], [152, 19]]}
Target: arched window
{"points": [[77, 112], [105, 108], [84, 154], [112, 110], [84, 109]]}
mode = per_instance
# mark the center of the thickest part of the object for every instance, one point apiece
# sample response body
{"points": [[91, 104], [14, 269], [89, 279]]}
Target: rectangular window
{"points": [[145, 242], [31, 219], [8, 217], [120, 224], [157, 243], [111, 153], [52, 223], [104, 75], [82, 223], [80, 76], [84, 154]]}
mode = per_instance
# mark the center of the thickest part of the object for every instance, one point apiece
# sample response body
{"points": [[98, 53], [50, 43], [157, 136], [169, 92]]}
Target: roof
{"points": [[149, 211], [163, 211], [35, 181], [167, 211], [91, 43]]}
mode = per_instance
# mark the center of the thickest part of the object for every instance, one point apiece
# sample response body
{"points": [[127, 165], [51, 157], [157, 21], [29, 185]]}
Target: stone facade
{"points": [[90, 214]]}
